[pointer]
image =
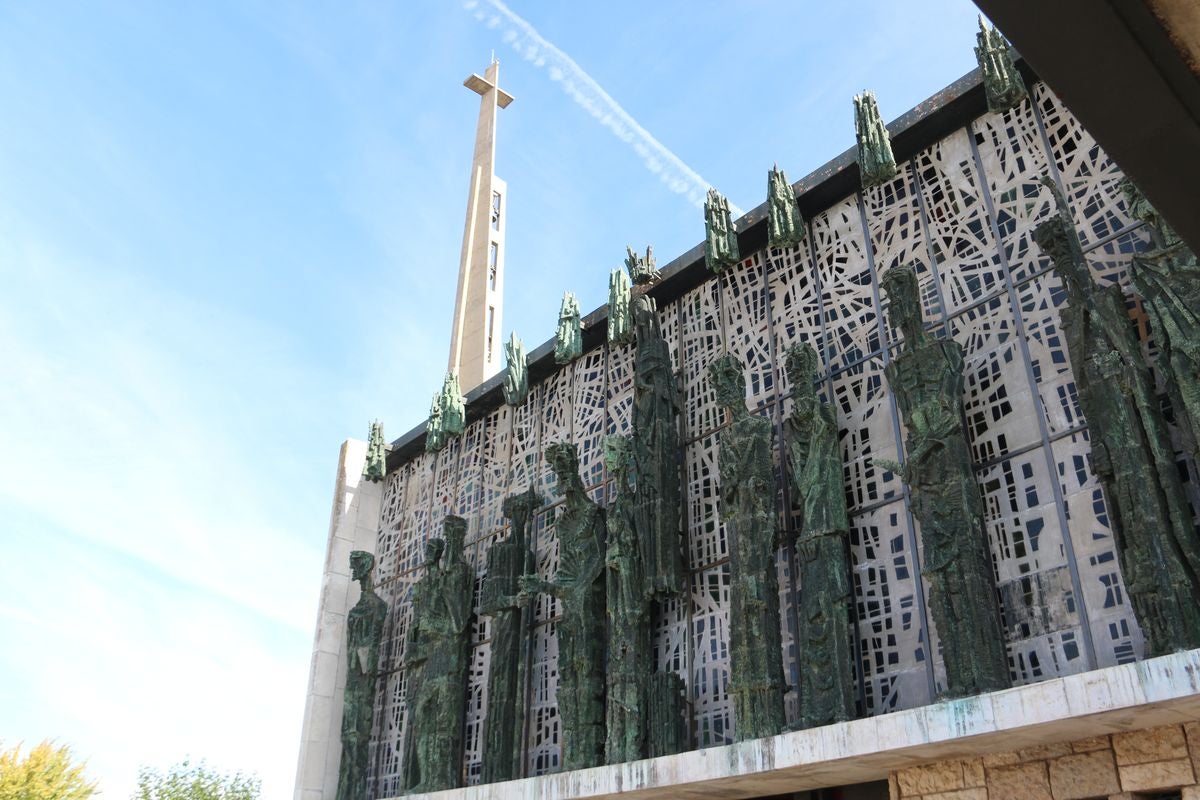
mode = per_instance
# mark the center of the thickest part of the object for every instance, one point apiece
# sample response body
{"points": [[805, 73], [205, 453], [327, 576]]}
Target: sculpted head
{"points": [[361, 563], [801, 364], [1051, 238], [904, 300], [1056, 238], [645, 313], [517, 507], [564, 460], [433, 551], [618, 452], [728, 382], [1137, 204]]}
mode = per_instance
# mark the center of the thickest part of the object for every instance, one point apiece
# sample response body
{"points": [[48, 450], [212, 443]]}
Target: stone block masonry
{"points": [[1123, 766]]}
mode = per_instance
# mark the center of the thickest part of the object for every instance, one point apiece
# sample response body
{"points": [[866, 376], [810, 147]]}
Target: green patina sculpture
{"points": [[580, 585], [641, 270], [568, 339], [620, 330], [629, 645], [364, 630], [1002, 82], [927, 380], [784, 226], [447, 414], [747, 505], [656, 403], [376, 467], [454, 409], [668, 733], [1167, 277], [826, 593], [435, 433], [1131, 451], [516, 372], [506, 562], [876, 164], [720, 238], [436, 659]]}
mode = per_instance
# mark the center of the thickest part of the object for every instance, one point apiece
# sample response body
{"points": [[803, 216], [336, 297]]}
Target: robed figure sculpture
{"points": [[656, 455], [1131, 450], [579, 584], [436, 658], [1167, 276], [364, 629], [507, 561], [629, 646], [822, 550], [927, 379], [748, 511]]}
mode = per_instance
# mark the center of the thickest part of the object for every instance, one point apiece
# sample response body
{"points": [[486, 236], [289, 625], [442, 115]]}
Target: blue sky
{"points": [[229, 236]]}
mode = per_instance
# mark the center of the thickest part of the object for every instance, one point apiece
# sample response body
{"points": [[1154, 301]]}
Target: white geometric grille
{"points": [[963, 211]]}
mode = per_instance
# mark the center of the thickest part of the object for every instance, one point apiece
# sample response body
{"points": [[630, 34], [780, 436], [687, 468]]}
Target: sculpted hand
{"points": [[530, 586], [889, 465]]}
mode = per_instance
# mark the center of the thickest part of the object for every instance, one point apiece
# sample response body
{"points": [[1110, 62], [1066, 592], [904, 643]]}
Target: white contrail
{"points": [[587, 94]]}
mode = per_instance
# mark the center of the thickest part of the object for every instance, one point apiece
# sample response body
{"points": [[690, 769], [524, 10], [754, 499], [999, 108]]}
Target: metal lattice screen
{"points": [[964, 209]]}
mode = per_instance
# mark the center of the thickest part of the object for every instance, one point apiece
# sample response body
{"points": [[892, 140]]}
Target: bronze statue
{"points": [[1002, 82], [656, 401], [506, 562], [516, 373], [1131, 451], [436, 658], [641, 269], [364, 629], [375, 469], [784, 226], [876, 164], [579, 584], [1168, 279], [453, 404], [568, 338], [720, 238], [748, 511], [825, 634], [927, 379], [629, 646], [619, 330], [435, 433]]}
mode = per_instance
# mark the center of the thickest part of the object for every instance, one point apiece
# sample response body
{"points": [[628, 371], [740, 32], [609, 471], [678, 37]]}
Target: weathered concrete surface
{"points": [[352, 526], [1159, 691]]}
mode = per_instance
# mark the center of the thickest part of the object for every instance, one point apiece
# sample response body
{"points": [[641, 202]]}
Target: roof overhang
{"points": [[1127, 70]]}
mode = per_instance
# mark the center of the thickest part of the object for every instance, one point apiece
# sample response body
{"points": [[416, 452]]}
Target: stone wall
{"points": [[351, 527], [1123, 766]]}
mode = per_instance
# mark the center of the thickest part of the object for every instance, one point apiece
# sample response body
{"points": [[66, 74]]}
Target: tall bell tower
{"points": [[475, 339]]}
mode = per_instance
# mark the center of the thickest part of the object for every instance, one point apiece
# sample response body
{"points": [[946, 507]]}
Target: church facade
{"points": [[1089, 711]]}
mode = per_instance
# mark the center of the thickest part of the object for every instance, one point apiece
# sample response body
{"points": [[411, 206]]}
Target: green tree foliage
{"points": [[187, 781], [45, 773]]}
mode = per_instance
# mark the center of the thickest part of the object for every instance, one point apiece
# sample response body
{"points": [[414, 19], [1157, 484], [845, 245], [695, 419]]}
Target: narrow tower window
{"points": [[493, 255], [495, 211], [491, 324]]}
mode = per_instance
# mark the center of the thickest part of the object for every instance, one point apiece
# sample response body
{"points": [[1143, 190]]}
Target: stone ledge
{"points": [[1159, 691]]}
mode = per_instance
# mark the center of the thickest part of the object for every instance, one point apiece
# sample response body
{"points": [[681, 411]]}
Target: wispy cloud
{"points": [[182, 574], [121, 652], [591, 97]]}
